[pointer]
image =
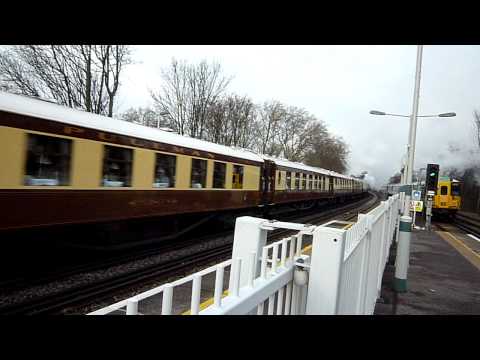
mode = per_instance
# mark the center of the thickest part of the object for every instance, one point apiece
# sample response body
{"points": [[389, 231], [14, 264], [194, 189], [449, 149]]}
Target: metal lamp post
{"points": [[405, 223]]}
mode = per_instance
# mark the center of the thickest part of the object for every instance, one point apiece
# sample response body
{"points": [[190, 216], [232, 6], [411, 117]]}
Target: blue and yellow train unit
{"points": [[447, 199]]}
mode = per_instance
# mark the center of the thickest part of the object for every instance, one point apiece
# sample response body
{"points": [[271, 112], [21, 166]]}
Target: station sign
{"points": [[417, 205], [416, 195]]}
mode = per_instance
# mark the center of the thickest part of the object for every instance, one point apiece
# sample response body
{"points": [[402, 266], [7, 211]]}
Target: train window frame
{"points": [[216, 173], [442, 188], [239, 184], [62, 160], [297, 181], [289, 180], [304, 181], [116, 164], [200, 177], [279, 179], [169, 168], [455, 189]]}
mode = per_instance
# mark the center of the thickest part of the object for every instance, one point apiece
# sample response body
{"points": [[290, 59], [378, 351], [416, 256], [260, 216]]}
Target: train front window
{"points": [[117, 166], [165, 166], [48, 161], [444, 190], [199, 173], [219, 174], [237, 177], [455, 189]]}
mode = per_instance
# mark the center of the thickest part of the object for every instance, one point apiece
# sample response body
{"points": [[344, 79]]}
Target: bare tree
{"points": [[187, 93], [298, 133], [143, 116], [79, 76], [231, 121], [270, 118], [329, 153]]}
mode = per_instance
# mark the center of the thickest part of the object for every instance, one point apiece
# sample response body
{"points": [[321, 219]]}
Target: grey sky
{"points": [[340, 84]]}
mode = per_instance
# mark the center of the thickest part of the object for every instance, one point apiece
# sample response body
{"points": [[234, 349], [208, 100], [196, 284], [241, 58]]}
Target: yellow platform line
{"points": [[206, 303], [463, 249]]}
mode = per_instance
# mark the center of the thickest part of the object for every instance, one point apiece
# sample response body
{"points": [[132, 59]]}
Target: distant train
{"points": [[63, 166], [447, 199]]}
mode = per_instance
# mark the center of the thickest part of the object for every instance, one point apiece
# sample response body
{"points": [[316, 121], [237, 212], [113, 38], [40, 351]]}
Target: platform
{"points": [[443, 276]]}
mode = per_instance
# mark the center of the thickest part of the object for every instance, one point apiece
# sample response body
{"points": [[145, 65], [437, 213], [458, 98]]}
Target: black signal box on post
{"points": [[431, 180]]}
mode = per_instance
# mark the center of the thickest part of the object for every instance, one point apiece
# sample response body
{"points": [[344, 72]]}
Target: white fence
{"points": [[342, 276]]}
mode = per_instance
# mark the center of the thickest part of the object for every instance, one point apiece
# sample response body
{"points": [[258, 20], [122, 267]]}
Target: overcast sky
{"points": [[340, 85]]}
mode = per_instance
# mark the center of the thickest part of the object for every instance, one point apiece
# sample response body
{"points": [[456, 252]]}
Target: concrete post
{"points": [[403, 254]]}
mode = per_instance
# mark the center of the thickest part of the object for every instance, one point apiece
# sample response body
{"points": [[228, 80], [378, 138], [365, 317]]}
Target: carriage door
{"points": [[268, 181]]}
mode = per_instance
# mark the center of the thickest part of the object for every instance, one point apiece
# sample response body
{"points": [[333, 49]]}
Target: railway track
{"points": [[101, 289], [468, 223]]}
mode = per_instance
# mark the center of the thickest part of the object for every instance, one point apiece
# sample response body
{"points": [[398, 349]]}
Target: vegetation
{"points": [[79, 76], [193, 100]]}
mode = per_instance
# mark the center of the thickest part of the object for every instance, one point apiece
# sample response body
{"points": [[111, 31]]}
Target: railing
{"points": [[342, 276], [347, 265]]}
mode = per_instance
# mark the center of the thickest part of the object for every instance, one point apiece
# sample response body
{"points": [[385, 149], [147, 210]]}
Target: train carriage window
{"points": [[165, 166], [237, 177], [289, 180], [304, 181], [48, 160], [279, 179], [444, 190], [199, 173], [219, 175], [297, 181], [117, 166]]}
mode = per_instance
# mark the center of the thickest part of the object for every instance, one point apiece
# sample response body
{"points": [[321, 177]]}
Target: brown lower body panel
{"points": [[292, 196], [30, 208]]}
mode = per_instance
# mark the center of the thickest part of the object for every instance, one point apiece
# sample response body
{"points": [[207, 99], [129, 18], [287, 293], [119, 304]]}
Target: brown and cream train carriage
{"points": [[62, 166]]}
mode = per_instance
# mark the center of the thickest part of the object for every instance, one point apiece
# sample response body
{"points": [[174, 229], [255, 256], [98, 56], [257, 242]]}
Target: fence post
{"points": [[363, 288], [403, 254], [248, 238], [167, 298], [132, 306], [382, 249], [328, 247]]}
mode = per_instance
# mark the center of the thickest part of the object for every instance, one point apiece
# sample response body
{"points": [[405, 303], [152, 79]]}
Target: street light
{"points": [[375, 112], [405, 176]]}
